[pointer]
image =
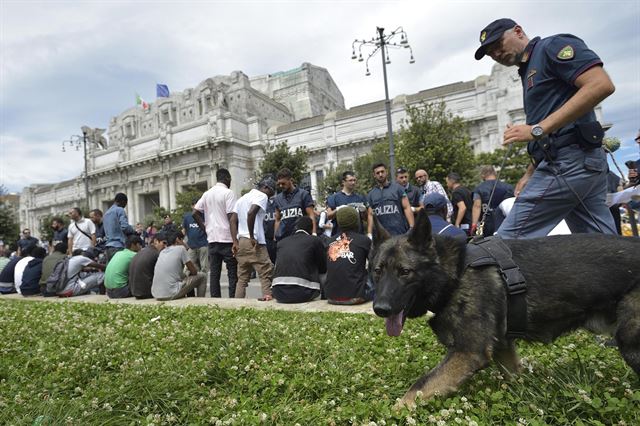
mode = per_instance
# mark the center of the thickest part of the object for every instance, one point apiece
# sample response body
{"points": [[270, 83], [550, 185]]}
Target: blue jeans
{"points": [[548, 198], [219, 252]]}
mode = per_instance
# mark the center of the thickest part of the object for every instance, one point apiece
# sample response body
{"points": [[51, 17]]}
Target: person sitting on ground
{"points": [[7, 276], [347, 262], [21, 266], [169, 282], [49, 262], [4, 256], [142, 266], [32, 273], [436, 207], [301, 258], [116, 276], [83, 275]]}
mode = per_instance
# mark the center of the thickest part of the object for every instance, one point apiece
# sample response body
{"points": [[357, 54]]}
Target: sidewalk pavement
{"points": [[253, 293], [224, 303]]}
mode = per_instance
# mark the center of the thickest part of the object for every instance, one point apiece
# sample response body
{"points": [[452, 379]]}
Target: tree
{"points": [[279, 156], [433, 139], [361, 166], [9, 226], [515, 164]]}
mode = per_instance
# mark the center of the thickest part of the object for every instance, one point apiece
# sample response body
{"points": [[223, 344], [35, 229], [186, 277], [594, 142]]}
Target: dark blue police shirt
{"points": [[386, 204], [439, 226], [548, 76], [269, 219], [196, 238], [340, 199], [292, 205]]}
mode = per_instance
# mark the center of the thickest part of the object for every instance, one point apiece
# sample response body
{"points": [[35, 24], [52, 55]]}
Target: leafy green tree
{"points": [[9, 224], [279, 156], [183, 201], [361, 166], [433, 139], [515, 164]]}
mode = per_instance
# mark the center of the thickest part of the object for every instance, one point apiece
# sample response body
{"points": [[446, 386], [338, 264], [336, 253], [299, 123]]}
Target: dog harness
{"points": [[492, 251]]}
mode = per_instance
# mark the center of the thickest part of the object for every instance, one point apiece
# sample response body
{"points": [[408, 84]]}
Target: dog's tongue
{"points": [[394, 324]]}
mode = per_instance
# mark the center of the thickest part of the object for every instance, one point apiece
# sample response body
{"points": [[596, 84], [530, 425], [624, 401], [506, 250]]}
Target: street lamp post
{"points": [[75, 141], [382, 43]]}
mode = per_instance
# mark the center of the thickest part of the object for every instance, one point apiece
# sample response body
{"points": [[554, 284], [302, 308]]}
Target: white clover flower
{"points": [[410, 420], [473, 423], [263, 417]]}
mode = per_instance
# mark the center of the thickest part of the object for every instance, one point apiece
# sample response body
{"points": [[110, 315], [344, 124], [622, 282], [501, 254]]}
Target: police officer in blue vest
{"points": [[563, 80]]}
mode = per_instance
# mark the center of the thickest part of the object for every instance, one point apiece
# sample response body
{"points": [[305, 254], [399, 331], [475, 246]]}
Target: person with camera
{"points": [[563, 80], [634, 175]]}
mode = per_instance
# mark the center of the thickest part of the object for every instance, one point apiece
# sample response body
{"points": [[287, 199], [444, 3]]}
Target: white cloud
{"points": [[66, 64]]}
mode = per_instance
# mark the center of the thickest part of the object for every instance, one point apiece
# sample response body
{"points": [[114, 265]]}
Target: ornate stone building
{"points": [[225, 121]]}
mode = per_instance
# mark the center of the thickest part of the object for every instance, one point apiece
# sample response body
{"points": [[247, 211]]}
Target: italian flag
{"points": [[141, 102]]}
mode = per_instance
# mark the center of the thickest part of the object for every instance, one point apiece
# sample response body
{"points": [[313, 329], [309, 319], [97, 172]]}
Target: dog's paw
{"points": [[406, 402]]}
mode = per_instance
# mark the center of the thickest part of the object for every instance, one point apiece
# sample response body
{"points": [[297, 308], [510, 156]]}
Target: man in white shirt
{"points": [[82, 232], [216, 206], [250, 248]]}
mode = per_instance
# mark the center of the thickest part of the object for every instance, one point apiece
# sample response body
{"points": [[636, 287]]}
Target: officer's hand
{"points": [[517, 133]]}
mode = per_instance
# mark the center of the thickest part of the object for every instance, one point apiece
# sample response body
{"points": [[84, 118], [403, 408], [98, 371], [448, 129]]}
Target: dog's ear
{"points": [[380, 235], [420, 235]]}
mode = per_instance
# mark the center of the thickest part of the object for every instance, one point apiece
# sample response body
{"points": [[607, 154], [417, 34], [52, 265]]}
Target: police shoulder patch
{"points": [[566, 53]]}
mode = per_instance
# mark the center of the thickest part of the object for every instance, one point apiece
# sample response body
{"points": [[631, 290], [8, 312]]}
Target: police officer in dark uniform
{"points": [[291, 204], [389, 202], [563, 81]]}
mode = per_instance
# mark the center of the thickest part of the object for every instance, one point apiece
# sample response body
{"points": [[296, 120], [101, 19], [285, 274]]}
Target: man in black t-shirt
{"points": [[346, 262], [462, 202], [481, 194]]}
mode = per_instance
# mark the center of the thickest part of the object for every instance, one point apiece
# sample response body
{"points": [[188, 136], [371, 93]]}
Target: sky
{"points": [[65, 64]]}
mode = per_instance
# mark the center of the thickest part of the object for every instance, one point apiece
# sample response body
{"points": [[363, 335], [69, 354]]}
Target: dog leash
{"points": [[480, 228]]}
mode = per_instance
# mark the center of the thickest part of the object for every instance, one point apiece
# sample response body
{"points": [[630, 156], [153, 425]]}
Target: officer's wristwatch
{"points": [[537, 132]]}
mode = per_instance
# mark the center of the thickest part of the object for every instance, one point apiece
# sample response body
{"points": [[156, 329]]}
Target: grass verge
{"points": [[74, 363]]}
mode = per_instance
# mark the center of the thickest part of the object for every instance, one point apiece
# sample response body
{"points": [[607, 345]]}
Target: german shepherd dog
{"points": [[583, 280]]}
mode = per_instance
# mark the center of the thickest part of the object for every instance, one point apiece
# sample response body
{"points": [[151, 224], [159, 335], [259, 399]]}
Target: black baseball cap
{"points": [[492, 33]]}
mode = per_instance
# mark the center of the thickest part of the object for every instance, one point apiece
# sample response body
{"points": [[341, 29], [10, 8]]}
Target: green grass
{"points": [[85, 364]]}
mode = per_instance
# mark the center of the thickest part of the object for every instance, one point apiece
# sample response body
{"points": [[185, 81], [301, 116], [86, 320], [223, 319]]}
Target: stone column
{"points": [[132, 204], [172, 191], [164, 192]]}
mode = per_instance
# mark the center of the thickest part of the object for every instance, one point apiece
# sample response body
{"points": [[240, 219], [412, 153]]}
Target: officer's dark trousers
{"points": [[219, 252]]}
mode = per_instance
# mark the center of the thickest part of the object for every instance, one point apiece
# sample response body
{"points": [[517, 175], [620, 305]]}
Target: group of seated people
{"points": [[307, 266], [154, 271]]}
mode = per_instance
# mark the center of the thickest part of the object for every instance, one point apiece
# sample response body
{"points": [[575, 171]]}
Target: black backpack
{"points": [[58, 278]]}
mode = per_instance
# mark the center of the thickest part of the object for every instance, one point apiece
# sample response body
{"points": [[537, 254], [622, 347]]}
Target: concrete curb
{"points": [[223, 303]]}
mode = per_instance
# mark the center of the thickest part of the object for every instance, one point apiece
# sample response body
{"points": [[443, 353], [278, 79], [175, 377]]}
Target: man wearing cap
{"points": [[250, 246], [563, 81], [435, 205]]}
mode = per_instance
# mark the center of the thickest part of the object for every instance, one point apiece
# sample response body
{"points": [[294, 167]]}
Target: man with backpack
{"points": [[81, 276]]}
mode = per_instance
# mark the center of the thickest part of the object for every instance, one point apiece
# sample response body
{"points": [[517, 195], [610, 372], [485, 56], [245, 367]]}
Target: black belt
{"points": [[559, 142]]}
